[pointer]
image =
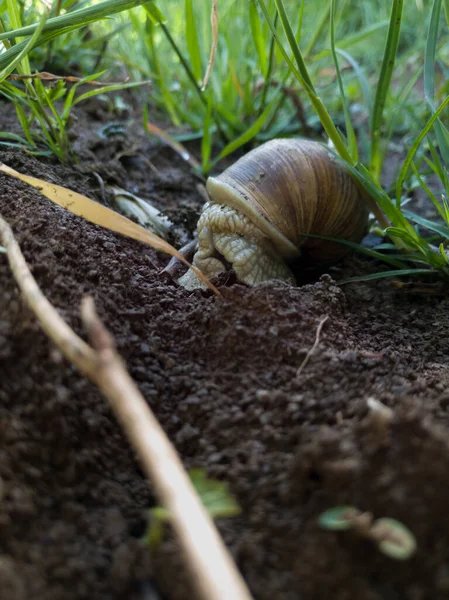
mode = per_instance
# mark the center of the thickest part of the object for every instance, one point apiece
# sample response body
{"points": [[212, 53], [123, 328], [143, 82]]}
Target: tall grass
{"points": [[45, 122], [277, 22], [346, 70], [248, 75]]}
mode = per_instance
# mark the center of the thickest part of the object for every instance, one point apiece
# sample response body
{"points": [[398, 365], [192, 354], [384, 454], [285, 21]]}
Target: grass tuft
{"points": [[352, 73]]}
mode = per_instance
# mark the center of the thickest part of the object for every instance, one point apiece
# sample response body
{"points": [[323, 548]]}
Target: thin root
{"points": [[313, 348]]}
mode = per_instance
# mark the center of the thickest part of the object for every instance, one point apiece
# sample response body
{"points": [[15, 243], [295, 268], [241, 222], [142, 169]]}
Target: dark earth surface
{"points": [[221, 376]]}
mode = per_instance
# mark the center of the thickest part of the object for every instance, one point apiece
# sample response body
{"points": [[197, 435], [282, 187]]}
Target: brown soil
{"points": [[221, 376]]}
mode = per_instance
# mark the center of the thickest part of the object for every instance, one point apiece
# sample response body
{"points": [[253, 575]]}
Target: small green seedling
{"points": [[340, 518], [214, 495], [392, 537]]}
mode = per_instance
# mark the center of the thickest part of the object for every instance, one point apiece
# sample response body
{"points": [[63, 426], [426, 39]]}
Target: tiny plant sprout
{"points": [[393, 539], [339, 518], [214, 495]]}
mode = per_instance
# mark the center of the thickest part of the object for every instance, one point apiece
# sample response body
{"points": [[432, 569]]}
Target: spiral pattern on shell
{"points": [[295, 187]]}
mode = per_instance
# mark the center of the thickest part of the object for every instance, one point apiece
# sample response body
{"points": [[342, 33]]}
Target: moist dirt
{"points": [[221, 375]]}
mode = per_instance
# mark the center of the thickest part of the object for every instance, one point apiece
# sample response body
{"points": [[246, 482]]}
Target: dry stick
{"points": [[213, 572], [213, 48], [45, 76], [313, 348], [188, 250]]}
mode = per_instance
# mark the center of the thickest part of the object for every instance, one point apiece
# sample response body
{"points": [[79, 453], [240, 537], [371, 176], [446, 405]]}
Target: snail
{"points": [[261, 206]]}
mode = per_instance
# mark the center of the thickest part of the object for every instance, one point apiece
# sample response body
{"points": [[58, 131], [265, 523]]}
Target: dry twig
{"points": [[188, 250], [45, 76], [313, 348], [211, 567], [170, 141], [213, 48]]}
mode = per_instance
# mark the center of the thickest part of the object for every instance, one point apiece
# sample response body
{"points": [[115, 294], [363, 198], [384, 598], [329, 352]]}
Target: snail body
{"points": [[263, 205]]}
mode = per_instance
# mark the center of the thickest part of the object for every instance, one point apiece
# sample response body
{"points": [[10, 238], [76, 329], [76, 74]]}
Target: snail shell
{"points": [[291, 187], [263, 206]]}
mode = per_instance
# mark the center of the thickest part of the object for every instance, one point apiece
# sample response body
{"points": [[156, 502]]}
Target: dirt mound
{"points": [[221, 374]]}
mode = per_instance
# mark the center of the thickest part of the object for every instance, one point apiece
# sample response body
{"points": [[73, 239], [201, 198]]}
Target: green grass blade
{"points": [[76, 18], [22, 118], [429, 192], [16, 22], [154, 14], [352, 39], [48, 135], [249, 134], [14, 14], [383, 85], [108, 88], [418, 243], [323, 20], [362, 35], [270, 67], [193, 45], [316, 101], [300, 21], [439, 167], [446, 209], [69, 98], [275, 35], [446, 11], [169, 102], [25, 50], [442, 251], [429, 59], [57, 133], [64, 24], [378, 196], [360, 76], [414, 148], [363, 250], [258, 37], [386, 274], [431, 225], [12, 136], [293, 44], [350, 134], [429, 77], [402, 100]]}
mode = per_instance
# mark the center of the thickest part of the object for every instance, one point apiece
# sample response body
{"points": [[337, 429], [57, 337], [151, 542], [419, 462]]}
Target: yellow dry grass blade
{"points": [[101, 215]]}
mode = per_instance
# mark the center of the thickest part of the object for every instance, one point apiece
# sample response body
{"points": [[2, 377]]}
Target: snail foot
{"points": [[228, 237]]}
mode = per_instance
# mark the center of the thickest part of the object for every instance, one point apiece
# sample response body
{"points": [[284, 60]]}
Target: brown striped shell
{"points": [[290, 187]]}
